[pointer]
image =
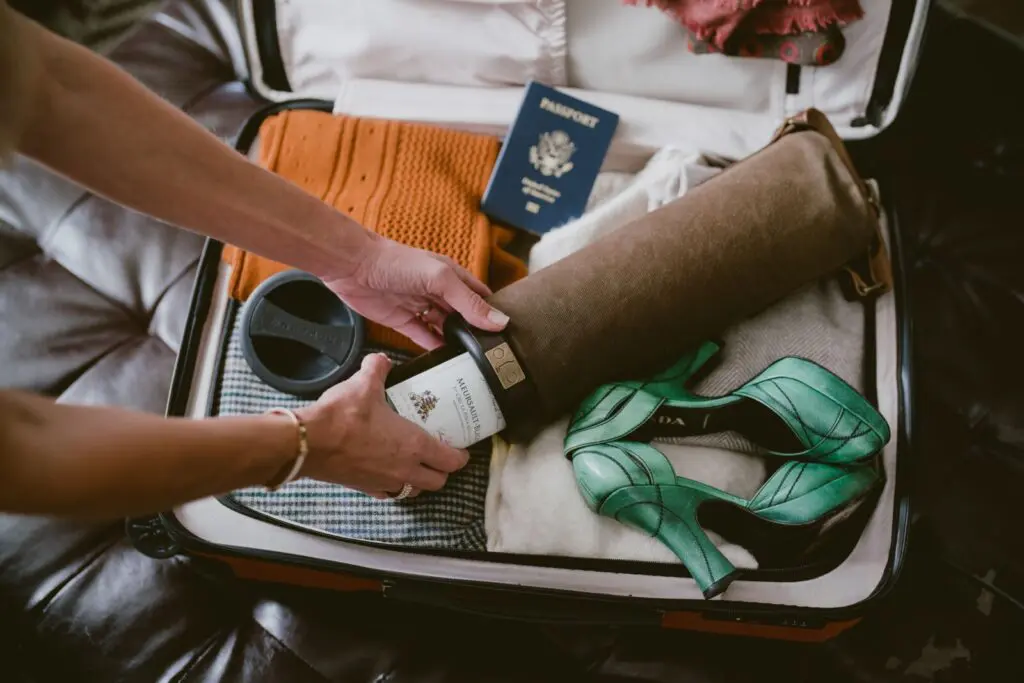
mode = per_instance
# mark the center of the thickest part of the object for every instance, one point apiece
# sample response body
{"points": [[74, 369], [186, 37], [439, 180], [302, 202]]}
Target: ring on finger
{"points": [[425, 315], [403, 494], [431, 316]]}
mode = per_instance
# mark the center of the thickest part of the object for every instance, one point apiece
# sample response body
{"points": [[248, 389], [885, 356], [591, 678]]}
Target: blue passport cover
{"points": [[551, 157]]}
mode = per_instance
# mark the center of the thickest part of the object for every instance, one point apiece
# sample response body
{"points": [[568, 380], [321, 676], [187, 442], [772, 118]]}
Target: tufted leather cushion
{"points": [[92, 319]]}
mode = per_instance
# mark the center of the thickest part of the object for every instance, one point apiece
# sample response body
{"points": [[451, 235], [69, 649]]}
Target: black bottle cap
{"points": [[298, 336], [506, 376]]}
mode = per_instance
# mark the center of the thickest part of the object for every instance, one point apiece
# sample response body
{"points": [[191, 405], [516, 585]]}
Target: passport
{"points": [[549, 160]]}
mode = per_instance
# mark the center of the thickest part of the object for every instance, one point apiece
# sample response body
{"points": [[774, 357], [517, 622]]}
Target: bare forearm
{"points": [[108, 462], [98, 126]]}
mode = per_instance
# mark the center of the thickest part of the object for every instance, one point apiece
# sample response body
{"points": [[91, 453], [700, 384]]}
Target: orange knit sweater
{"points": [[418, 185]]}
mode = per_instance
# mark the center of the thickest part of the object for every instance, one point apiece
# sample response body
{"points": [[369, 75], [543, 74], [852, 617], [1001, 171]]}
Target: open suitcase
{"points": [[461, 64]]}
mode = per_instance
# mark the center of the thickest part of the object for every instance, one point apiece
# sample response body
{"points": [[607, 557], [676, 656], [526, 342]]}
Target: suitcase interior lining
{"points": [[221, 520], [859, 104], [373, 516], [290, 58]]}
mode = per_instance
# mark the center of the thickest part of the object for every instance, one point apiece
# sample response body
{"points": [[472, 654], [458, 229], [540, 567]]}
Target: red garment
{"points": [[718, 21]]}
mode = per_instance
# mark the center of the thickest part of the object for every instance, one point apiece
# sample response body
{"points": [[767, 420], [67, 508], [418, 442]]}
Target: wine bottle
{"points": [[445, 392]]}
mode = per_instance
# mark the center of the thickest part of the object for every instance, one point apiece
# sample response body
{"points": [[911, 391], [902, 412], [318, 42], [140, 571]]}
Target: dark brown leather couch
{"points": [[91, 307]]}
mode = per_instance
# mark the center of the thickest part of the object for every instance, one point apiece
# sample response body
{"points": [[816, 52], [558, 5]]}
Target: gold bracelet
{"points": [[292, 468]]}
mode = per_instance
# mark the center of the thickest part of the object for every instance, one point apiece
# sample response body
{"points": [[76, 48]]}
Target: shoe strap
{"points": [[642, 463], [616, 410]]}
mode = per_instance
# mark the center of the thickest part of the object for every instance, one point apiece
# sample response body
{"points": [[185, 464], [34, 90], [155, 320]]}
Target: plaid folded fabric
{"points": [[451, 519]]}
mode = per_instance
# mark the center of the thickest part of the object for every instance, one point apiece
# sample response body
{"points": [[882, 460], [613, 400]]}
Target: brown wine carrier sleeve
{"points": [[416, 184], [870, 275], [627, 304]]}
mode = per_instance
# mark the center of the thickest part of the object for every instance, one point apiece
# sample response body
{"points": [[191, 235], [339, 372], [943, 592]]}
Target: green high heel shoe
{"points": [[634, 483], [793, 408]]}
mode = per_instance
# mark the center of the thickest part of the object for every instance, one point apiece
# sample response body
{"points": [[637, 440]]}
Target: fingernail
{"points": [[497, 317]]}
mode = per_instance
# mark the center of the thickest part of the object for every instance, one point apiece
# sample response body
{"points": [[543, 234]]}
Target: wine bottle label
{"points": [[450, 401]]}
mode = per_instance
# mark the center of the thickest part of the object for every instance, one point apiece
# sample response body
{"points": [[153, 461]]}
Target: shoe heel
{"points": [[669, 513]]}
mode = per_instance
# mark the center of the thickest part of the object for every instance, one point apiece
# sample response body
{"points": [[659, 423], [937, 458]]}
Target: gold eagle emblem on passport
{"points": [[552, 153]]}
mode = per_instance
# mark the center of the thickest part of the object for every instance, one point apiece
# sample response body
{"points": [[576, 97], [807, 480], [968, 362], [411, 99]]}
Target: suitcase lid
{"points": [[632, 59]]}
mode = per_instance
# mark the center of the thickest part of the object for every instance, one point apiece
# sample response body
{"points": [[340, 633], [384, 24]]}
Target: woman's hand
{"points": [[412, 291], [357, 440], [129, 463]]}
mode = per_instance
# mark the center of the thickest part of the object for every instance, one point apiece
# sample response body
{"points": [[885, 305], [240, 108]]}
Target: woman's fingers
{"points": [[356, 439], [427, 479], [434, 317], [441, 305], [421, 334], [443, 458], [471, 280], [470, 304], [374, 368]]}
